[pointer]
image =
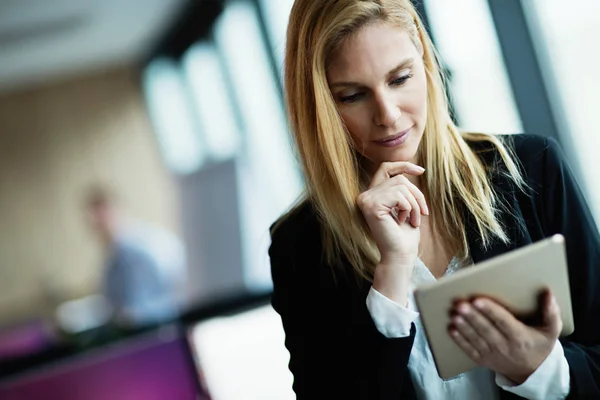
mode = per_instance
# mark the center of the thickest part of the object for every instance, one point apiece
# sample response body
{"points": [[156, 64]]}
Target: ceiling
{"points": [[42, 40]]}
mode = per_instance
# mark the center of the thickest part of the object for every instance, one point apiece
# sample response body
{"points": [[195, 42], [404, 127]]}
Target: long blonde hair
{"points": [[456, 178]]}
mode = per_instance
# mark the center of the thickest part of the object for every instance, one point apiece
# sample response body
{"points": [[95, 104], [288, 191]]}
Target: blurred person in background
{"points": [[145, 266]]}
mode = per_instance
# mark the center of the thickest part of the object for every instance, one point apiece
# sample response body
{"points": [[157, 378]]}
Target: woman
{"points": [[396, 195]]}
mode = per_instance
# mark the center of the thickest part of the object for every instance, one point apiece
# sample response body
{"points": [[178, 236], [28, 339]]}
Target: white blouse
{"points": [[550, 381]]}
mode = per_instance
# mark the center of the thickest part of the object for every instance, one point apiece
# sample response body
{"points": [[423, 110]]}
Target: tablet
{"points": [[514, 279]]}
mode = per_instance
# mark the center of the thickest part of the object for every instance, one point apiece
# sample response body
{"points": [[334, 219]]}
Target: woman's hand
{"points": [[389, 202], [495, 339]]}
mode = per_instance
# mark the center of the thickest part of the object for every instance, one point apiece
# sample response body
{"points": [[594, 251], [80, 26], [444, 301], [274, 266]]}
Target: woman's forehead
{"points": [[375, 49]]}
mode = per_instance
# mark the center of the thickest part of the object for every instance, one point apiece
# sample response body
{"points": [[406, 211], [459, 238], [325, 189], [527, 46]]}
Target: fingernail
{"points": [[478, 304], [463, 309], [418, 168]]}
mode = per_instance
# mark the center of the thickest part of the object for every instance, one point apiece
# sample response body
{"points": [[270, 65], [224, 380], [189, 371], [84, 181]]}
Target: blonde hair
{"points": [[456, 178]]}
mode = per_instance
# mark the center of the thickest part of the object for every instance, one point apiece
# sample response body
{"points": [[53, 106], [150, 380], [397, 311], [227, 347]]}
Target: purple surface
{"points": [[25, 339], [153, 369]]}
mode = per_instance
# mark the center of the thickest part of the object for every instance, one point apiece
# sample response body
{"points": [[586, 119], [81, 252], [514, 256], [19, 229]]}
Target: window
{"points": [[204, 73], [570, 62], [466, 39], [276, 14], [268, 175], [174, 122]]}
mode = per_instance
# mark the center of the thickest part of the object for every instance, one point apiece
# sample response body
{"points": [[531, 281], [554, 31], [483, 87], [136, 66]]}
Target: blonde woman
{"points": [[396, 195]]}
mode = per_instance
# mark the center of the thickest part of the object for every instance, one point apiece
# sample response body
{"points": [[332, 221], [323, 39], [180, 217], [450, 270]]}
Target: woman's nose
{"points": [[387, 111]]}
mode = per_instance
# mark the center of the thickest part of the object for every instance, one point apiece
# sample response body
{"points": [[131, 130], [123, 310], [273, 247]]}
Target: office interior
{"points": [[178, 106]]}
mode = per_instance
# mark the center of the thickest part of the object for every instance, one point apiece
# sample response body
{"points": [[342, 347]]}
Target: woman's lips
{"points": [[395, 140]]}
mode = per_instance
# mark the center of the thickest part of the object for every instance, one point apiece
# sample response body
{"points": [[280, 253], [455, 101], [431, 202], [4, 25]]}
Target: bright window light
{"points": [[276, 14], [570, 66], [170, 111], [205, 75], [268, 174], [466, 39]]}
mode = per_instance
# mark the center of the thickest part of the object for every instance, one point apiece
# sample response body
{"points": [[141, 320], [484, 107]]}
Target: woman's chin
{"points": [[400, 155]]}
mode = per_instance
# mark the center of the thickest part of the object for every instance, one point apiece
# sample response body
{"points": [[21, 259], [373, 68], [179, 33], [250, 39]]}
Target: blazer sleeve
{"points": [[335, 350], [565, 211]]}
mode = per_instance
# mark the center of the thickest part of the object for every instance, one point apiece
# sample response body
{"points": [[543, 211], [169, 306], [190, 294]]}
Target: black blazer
{"points": [[337, 352]]}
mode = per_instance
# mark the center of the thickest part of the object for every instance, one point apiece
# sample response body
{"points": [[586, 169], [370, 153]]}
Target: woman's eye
{"points": [[351, 99], [401, 80]]}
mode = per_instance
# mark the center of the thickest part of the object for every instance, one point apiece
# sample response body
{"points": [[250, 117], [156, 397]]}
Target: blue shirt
{"points": [[141, 281]]}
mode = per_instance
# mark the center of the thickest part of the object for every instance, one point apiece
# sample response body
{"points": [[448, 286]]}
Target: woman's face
{"points": [[378, 81]]}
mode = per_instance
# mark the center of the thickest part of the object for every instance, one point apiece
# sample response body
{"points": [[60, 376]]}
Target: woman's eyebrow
{"points": [[405, 63]]}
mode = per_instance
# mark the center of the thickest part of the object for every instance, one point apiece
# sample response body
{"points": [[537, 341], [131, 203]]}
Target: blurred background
{"points": [[153, 133]]}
